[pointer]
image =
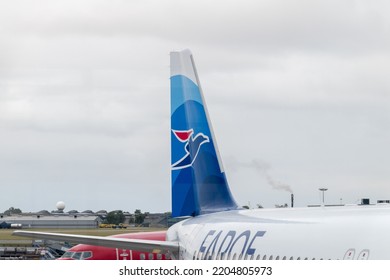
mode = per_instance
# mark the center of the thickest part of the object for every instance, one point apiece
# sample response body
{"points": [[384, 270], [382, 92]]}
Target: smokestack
{"points": [[292, 200]]}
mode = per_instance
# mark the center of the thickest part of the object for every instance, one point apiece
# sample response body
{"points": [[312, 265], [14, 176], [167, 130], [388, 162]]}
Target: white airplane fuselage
{"points": [[348, 232]]}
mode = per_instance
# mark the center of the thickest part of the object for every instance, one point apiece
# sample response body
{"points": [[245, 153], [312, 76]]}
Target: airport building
{"points": [[70, 221], [55, 219], [73, 219]]}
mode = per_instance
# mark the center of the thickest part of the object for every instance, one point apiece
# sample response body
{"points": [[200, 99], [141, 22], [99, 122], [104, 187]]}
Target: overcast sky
{"points": [[298, 92]]}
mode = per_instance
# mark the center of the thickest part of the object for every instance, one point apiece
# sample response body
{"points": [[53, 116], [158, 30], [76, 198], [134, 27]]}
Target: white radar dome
{"points": [[60, 205]]}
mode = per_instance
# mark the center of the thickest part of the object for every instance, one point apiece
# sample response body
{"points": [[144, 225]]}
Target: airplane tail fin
{"points": [[199, 184]]}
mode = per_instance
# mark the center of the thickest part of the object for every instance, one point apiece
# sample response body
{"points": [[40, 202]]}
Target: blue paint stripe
{"points": [[183, 89]]}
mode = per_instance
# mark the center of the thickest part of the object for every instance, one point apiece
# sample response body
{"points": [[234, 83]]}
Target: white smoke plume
{"points": [[263, 168]]}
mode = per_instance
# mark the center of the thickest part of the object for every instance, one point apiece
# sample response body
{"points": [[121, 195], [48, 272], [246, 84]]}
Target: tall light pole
{"points": [[323, 190]]}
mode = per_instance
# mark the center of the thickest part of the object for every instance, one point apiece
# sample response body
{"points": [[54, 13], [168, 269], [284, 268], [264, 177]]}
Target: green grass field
{"points": [[6, 234]]}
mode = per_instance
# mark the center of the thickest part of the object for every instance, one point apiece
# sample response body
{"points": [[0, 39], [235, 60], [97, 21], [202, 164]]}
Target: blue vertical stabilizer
{"points": [[199, 184]]}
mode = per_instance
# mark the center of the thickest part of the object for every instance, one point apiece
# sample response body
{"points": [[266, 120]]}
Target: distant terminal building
{"points": [[363, 202], [70, 221], [56, 219]]}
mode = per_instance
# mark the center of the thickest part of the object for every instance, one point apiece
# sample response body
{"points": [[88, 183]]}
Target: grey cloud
{"points": [[84, 97]]}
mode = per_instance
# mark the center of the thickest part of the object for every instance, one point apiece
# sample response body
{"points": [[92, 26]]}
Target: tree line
{"points": [[118, 217]]}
